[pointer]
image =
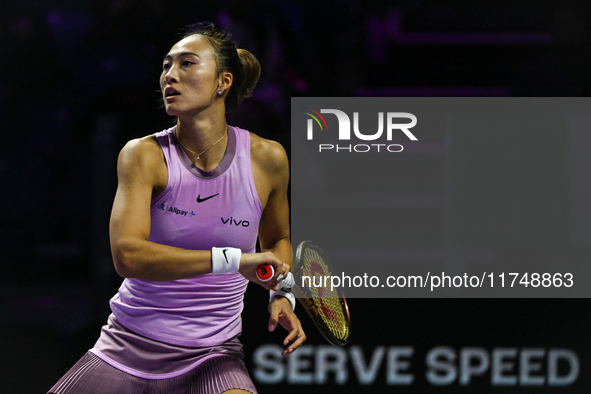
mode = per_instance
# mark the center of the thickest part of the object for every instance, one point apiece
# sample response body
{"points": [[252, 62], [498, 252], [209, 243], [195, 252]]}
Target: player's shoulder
{"points": [[141, 151], [141, 145], [269, 153]]}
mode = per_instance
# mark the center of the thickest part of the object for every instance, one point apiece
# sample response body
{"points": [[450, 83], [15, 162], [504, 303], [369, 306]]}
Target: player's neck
{"points": [[203, 127], [204, 141]]}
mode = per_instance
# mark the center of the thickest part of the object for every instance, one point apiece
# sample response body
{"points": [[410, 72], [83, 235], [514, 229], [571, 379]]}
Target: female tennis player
{"points": [[190, 203]]}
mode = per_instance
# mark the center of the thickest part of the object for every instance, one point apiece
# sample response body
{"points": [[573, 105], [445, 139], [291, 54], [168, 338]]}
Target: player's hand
{"points": [[281, 313], [250, 261]]}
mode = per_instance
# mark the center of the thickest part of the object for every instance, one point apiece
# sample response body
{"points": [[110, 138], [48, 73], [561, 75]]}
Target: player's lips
{"points": [[170, 94]]}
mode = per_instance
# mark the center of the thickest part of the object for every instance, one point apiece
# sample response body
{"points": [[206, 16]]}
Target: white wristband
{"points": [[225, 260], [283, 293]]}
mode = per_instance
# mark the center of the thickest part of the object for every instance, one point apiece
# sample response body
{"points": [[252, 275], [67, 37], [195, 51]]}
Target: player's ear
{"points": [[225, 79]]}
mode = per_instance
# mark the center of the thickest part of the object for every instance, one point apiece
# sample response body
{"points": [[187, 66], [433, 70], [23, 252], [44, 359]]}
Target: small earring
{"points": [[220, 92]]}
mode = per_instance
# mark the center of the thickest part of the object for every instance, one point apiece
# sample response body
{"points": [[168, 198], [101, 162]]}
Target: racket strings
{"points": [[327, 301]]}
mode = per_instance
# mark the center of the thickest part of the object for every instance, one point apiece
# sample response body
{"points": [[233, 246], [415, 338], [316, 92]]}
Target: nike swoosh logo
{"points": [[199, 199], [225, 250]]}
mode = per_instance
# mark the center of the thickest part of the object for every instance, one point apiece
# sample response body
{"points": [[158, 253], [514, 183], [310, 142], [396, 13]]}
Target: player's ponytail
{"points": [[247, 77]]}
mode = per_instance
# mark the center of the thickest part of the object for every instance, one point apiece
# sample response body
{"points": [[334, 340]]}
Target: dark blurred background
{"points": [[79, 79]]}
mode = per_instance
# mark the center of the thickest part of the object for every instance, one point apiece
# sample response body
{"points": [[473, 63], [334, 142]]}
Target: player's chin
{"points": [[171, 109]]}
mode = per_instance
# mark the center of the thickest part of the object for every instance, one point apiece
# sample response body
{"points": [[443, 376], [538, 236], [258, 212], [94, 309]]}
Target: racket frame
{"points": [[305, 297]]}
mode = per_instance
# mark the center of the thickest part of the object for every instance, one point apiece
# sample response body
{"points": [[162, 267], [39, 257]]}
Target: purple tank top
{"points": [[197, 210]]}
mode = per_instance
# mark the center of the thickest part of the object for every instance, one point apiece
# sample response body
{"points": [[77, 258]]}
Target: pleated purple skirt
{"points": [[91, 375]]}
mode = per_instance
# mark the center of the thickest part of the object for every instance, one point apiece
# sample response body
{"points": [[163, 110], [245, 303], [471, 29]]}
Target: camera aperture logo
{"points": [[394, 123]]}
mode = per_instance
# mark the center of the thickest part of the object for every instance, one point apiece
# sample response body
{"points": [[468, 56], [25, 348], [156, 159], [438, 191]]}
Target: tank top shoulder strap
{"points": [[242, 139], [166, 140]]}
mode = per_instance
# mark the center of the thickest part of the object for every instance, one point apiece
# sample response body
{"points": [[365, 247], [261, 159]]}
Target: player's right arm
{"points": [[142, 174]]}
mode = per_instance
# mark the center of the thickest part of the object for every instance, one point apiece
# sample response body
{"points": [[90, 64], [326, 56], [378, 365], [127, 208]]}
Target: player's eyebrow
{"points": [[170, 55]]}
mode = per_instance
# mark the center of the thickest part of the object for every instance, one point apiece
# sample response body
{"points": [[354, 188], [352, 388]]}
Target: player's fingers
{"points": [[296, 342], [268, 265], [294, 327], [293, 335], [279, 266], [269, 285]]}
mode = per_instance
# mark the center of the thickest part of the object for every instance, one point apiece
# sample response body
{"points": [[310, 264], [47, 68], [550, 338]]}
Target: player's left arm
{"points": [[271, 170]]}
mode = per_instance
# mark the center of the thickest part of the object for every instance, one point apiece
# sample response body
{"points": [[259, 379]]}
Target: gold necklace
{"points": [[199, 154]]}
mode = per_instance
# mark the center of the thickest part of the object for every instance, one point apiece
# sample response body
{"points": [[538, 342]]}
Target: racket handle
{"points": [[265, 273]]}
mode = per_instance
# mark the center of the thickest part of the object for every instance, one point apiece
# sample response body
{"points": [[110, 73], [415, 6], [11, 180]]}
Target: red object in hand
{"points": [[265, 272]]}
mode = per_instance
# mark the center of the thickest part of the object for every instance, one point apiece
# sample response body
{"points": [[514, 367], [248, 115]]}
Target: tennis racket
{"points": [[327, 307]]}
